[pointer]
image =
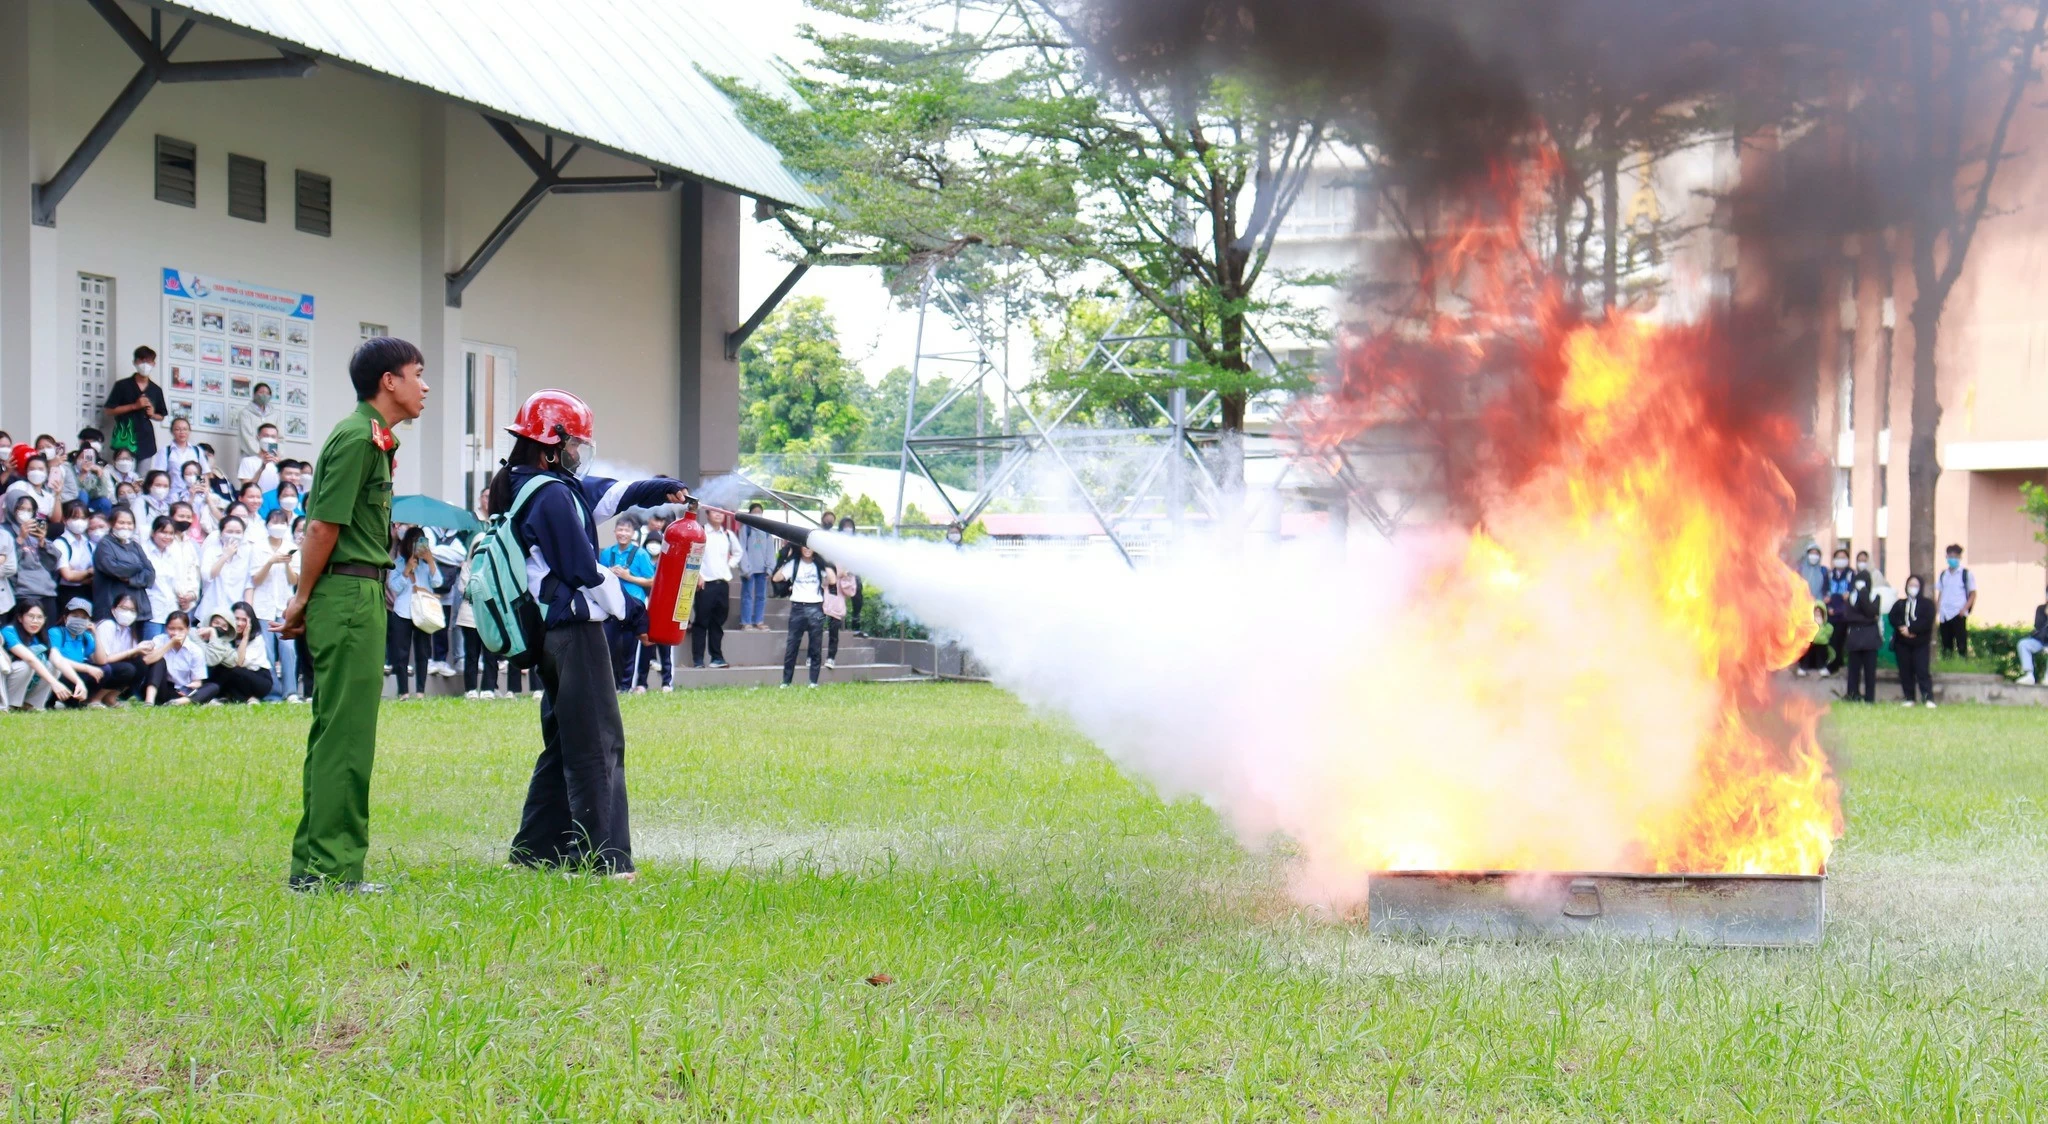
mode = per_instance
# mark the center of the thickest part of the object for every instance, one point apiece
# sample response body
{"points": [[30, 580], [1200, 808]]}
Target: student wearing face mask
{"points": [[260, 460], [289, 472], [124, 468], [178, 676], [35, 563], [135, 404], [32, 677], [84, 479], [1860, 614], [250, 423], [285, 499], [74, 555], [187, 524], [121, 568], [33, 470], [413, 575], [1956, 594], [71, 655], [177, 576], [225, 566], [188, 483], [1914, 620], [156, 495], [1835, 593], [273, 590], [124, 654]]}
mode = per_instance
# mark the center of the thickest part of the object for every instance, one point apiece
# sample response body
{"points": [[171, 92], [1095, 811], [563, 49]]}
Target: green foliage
{"points": [[865, 511], [2034, 505], [928, 142], [798, 394], [884, 404]]}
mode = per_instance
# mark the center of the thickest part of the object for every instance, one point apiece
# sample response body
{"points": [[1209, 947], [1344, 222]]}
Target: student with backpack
{"points": [[547, 508]]}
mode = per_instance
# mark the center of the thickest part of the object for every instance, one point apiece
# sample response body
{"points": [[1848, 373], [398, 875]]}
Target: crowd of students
{"points": [[1857, 612]]}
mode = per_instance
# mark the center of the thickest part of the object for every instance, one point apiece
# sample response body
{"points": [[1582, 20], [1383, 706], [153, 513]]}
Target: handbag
{"points": [[427, 615]]}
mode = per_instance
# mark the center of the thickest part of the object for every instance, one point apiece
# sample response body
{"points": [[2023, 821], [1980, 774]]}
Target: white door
{"points": [[491, 394]]}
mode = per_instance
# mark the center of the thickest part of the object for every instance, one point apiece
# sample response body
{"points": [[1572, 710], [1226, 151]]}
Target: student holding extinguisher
{"points": [[576, 814]]}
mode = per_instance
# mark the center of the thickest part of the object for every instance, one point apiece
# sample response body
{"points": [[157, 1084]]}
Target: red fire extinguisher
{"points": [[675, 580]]}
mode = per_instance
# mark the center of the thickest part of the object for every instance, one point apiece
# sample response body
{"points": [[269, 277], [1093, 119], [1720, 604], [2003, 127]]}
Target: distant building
{"points": [[388, 172]]}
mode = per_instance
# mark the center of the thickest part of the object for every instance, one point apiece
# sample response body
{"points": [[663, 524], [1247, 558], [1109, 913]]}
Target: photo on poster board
{"points": [[295, 395], [221, 367], [181, 408], [295, 425]]}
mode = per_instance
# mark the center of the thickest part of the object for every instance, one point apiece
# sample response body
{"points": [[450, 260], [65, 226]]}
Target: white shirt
{"points": [[172, 458], [253, 468], [110, 638], [177, 571], [75, 552], [804, 579], [274, 592], [219, 594], [45, 497], [721, 554]]}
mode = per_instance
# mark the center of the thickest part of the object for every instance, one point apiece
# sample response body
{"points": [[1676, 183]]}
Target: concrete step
{"points": [[766, 647], [768, 675]]}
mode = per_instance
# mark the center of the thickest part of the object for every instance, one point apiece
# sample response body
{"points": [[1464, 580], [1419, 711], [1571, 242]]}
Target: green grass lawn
{"points": [[1063, 945]]}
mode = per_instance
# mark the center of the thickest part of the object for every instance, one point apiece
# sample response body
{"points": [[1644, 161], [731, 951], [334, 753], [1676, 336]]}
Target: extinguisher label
{"points": [[686, 597]]}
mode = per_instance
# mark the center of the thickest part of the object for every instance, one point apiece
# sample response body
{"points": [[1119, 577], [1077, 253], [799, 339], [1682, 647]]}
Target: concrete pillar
{"points": [[439, 430], [708, 436], [38, 373]]}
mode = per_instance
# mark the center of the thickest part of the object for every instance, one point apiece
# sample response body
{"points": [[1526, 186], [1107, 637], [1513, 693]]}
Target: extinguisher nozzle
{"points": [[790, 531]]}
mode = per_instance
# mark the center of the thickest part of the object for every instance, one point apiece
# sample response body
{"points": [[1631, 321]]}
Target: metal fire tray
{"points": [[1733, 910]]}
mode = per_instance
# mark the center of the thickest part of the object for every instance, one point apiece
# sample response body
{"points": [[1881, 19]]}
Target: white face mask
{"points": [[289, 503], [145, 369], [124, 534], [124, 617], [278, 531], [1913, 589], [75, 526], [230, 538], [161, 492], [125, 468], [36, 476]]}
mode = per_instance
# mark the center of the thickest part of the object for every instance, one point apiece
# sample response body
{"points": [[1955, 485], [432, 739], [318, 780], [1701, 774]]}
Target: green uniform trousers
{"points": [[345, 633]]}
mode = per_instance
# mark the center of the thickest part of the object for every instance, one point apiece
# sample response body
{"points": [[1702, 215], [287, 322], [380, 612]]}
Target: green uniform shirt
{"points": [[352, 488]]}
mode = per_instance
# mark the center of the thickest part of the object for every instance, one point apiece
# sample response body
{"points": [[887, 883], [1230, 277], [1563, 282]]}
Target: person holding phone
{"points": [[250, 423], [260, 461], [270, 591]]}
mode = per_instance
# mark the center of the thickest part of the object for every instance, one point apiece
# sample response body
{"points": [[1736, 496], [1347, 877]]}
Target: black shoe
{"points": [[314, 884], [305, 883], [699, 665]]}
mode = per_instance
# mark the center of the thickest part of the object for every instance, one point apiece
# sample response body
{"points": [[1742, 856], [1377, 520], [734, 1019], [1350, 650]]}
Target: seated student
{"points": [[1817, 649], [237, 661], [122, 651], [72, 651], [178, 676], [2033, 644], [31, 680]]}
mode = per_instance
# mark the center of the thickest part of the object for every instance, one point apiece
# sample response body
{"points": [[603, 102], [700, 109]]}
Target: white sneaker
{"points": [[469, 694], [812, 686], [831, 663], [1800, 672], [1824, 673], [668, 688], [640, 690], [539, 691], [2025, 681], [291, 698], [1930, 704], [1907, 703]]}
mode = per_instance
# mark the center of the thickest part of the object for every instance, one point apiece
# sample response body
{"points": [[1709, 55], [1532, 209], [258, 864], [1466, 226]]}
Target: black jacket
{"points": [[119, 568], [1859, 616], [1923, 620], [2041, 623]]}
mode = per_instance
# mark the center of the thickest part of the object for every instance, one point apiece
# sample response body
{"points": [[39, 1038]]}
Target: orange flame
{"points": [[1612, 478]]}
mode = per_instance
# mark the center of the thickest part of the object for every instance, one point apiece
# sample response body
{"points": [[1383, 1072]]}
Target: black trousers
{"points": [[805, 619], [1838, 647], [239, 684], [1955, 635], [1816, 657], [576, 812], [625, 651], [1916, 663], [475, 655], [707, 621], [1863, 675], [122, 675], [402, 640]]}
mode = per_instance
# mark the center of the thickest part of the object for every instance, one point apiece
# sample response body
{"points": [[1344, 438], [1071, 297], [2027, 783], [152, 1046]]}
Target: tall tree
{"points": [[995, 125], [799, 397], [1945, 118]]}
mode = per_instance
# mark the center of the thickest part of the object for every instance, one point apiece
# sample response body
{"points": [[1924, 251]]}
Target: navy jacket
{"points": [[567, 538]]}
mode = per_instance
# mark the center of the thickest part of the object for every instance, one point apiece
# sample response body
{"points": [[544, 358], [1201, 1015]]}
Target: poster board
{"points": [[223, 337]]}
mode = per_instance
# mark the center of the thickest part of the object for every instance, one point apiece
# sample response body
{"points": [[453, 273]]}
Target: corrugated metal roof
{"points": [[621, 75]]}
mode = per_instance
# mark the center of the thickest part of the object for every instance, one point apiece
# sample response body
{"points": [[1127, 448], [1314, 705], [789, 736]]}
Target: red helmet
{"points": [[550, 415], [19, 455]]}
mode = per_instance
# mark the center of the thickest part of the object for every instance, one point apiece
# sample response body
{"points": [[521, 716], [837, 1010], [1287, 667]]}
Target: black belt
{"points": [[355, 570]]}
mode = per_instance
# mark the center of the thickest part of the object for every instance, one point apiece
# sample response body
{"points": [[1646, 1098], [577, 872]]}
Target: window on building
{"points": [[315, 204], [95, 320], [248, 189], [1845, 509], [177, 172]]}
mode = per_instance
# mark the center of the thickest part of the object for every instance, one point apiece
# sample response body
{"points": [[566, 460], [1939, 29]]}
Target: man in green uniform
{"points": [[339, 609]]}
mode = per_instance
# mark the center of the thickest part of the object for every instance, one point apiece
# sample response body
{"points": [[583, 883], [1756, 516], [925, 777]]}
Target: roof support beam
{"points": [[737, 338], [157, 66], [547, 180]]}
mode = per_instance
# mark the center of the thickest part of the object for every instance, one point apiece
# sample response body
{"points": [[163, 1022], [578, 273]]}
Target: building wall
{"points": [[587, 292]]}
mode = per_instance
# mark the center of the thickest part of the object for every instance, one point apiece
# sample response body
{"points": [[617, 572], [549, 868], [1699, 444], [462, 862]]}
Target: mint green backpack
{"points": [[508, 618]]}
